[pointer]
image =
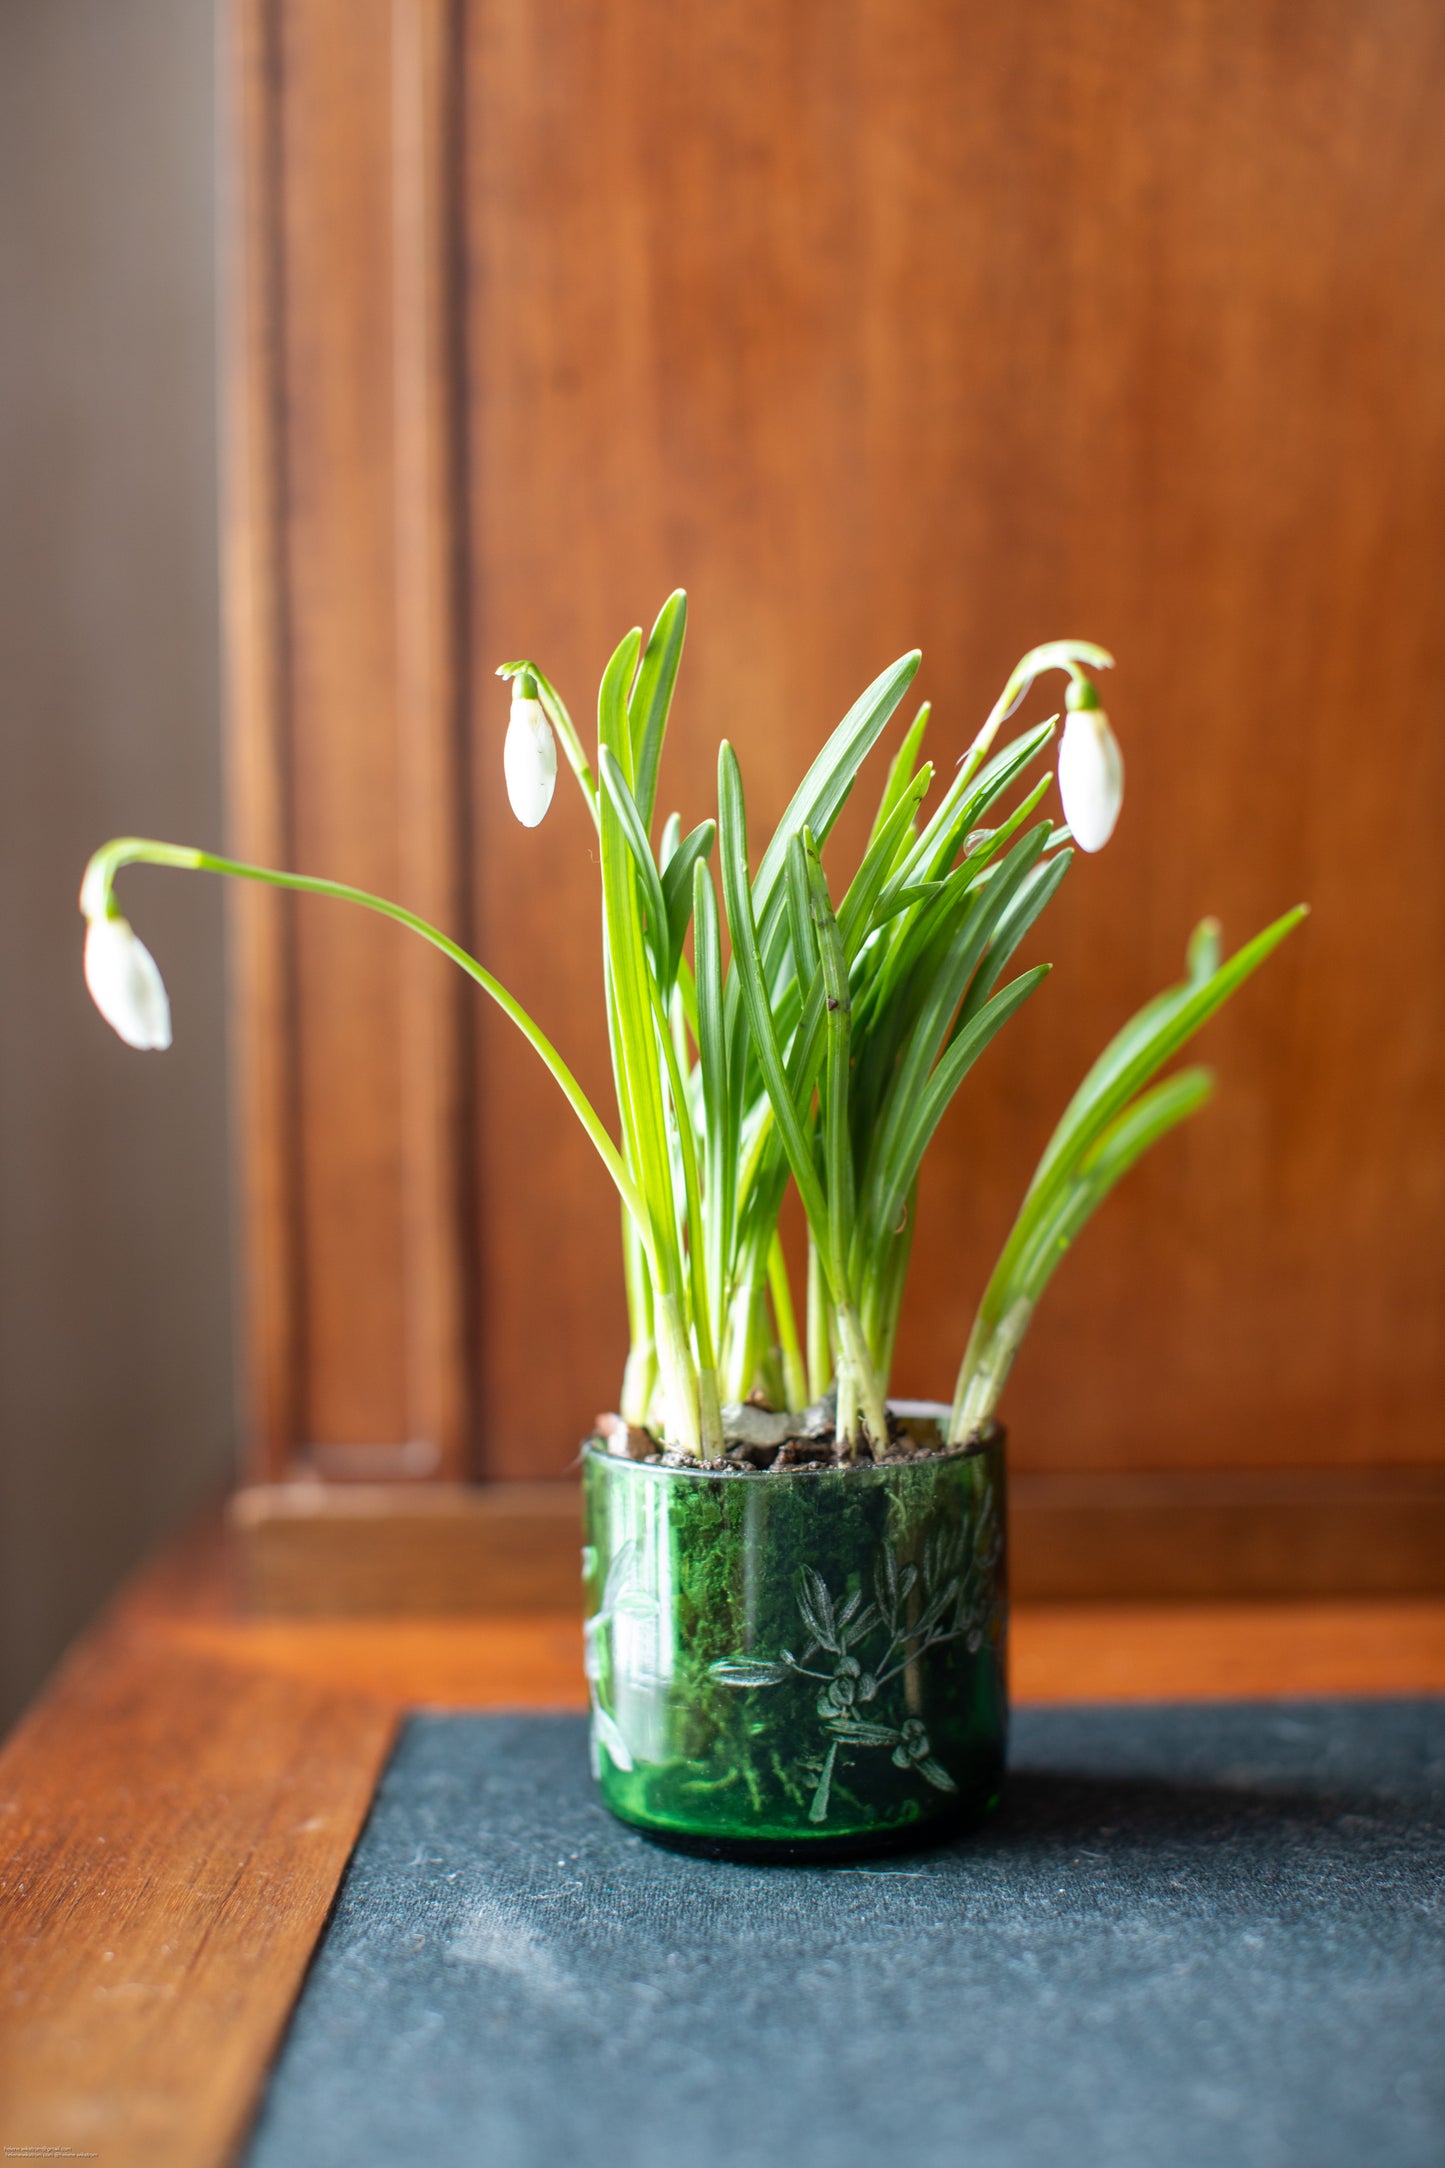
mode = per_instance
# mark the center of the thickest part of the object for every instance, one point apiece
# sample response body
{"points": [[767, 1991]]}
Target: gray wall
{"points": [[116, 1406]]}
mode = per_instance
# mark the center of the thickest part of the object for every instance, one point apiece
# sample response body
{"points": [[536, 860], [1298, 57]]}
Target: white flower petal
{"points": [[1091, 777], [126, 985], [529, 761]]}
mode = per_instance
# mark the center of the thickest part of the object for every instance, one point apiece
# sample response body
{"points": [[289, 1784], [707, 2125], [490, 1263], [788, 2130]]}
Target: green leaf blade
{"points": [[1145, 1044], [677, 888], [1143, 1123], [823, 792], [651, 701], [748, 967], [720, 1141], [624, 810], [919, 1115]]}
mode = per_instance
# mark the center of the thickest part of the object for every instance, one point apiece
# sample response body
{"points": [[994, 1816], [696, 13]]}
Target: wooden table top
{"points": [[177, 1810]]}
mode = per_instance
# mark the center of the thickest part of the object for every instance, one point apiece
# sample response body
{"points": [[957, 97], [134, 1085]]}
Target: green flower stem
{"points": [[1053, 655], [837, 1144], [756, 1150], [679, 1372], [752, 1315], [742, 1333], [858, 1385], [855, 1364], [865, 1385], [883, 1294], [638, 1257], [631, 956], [820, 1351], [795, 1375], [846, 1418], [640, 1374], [1116, 1114], [709, 1407], [992, 1346], [748, 965], [719, 1140], [135, 850]]}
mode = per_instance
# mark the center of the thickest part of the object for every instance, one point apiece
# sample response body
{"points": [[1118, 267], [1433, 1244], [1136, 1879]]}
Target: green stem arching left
{"points": [[97, 892]]}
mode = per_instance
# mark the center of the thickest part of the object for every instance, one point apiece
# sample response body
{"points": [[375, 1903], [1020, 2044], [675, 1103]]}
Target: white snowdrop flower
{"points": [[1091, 769], [125, 984], [529, 758]]}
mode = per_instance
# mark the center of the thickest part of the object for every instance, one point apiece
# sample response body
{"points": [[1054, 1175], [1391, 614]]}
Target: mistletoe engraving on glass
{"points": [[950, 1596]]}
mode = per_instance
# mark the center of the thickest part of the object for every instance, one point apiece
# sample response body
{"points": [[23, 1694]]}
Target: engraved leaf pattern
{"points": [[816, 1606], [741, 1671], [863, 1624], [957, 1584]]}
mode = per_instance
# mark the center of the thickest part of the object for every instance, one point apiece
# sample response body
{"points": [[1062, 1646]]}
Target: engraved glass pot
{"points": [[799, 1663]]}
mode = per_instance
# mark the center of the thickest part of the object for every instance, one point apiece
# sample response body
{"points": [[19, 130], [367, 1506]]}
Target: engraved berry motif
{"points": [[913, 1752], [956, 1596], [838, 1695]]}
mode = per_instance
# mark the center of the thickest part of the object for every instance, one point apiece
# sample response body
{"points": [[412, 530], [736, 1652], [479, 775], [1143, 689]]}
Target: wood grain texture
{"points": [[172, 1831], [175, 1814], [1225, 1651], [1070, 1652], [344, 552], [872, 325], [438, 1259], [336, 245], [962, 327], [1186, 1534], [258, 713], [319, 1550]]}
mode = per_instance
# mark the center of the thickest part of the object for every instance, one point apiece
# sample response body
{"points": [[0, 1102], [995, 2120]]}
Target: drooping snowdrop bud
{"points": [[530, 755], [125, 984], [1091, 769]]}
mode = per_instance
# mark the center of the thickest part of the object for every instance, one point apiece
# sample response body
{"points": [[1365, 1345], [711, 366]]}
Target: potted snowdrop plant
{"points": [[796, 1588]]}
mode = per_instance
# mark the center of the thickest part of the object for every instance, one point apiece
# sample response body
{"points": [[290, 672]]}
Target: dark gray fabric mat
{"points": [[1193, 1938]]}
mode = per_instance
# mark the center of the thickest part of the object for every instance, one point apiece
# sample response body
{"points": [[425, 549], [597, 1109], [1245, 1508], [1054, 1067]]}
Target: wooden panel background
{"points": [[875, 323]]}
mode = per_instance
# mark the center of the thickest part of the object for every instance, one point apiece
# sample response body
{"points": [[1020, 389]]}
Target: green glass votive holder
{"points": [[801, 1663]]}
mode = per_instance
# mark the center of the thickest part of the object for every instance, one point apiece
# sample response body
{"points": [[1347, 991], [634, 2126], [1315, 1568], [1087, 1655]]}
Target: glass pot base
{"points": [[816, 1848], [806, 1664]]}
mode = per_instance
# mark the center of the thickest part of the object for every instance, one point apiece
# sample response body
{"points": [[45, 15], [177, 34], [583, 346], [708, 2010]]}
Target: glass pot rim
{"points": [[989, 1438]]}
